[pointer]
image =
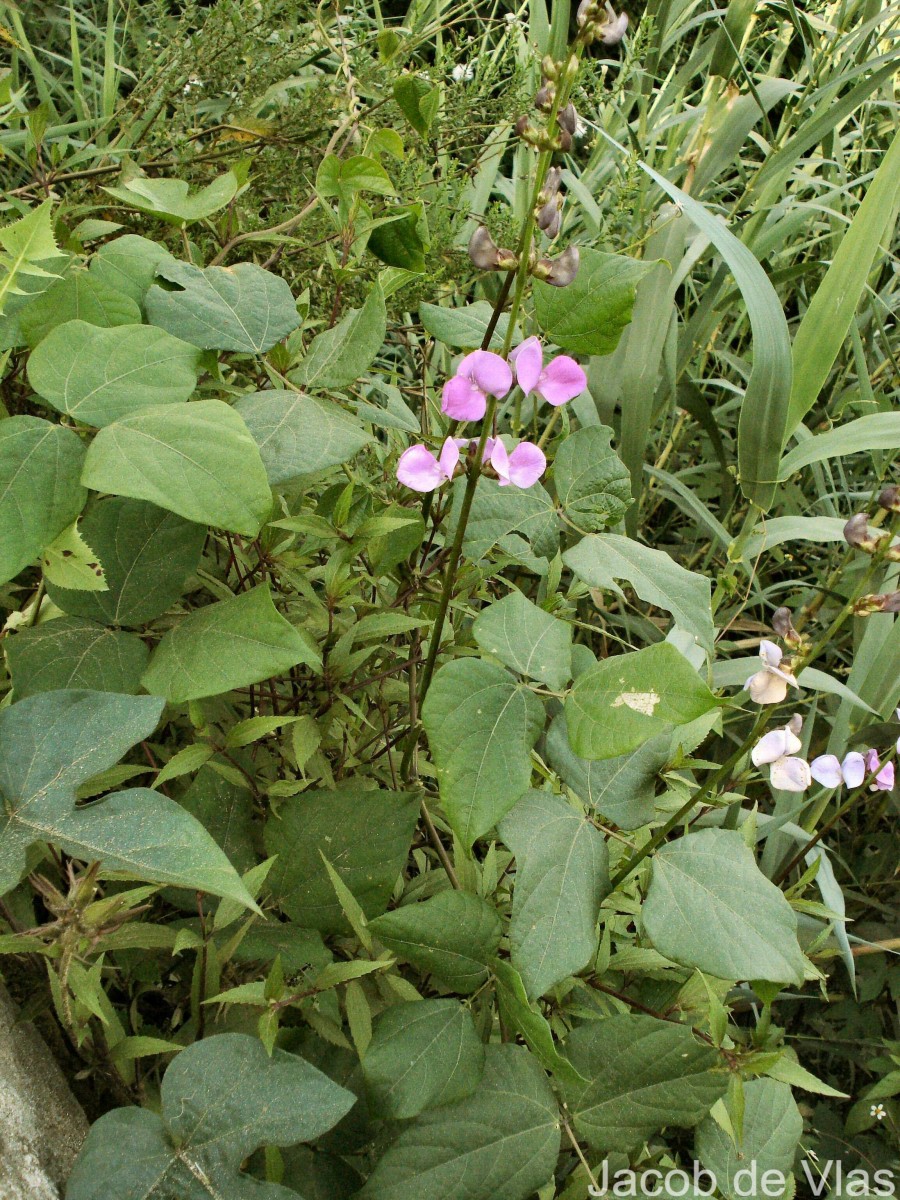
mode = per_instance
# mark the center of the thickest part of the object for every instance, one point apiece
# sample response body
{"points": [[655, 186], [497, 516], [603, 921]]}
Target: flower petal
{"points": [[884, 780], [854, 769], [770, 653], [420, 470], [449, 457], [790, 775], [528, 359], [826, 769], [526, 464], [463, 400], [500, 461], [770, 747], [562, 380], [765, 687], [489, 371]]}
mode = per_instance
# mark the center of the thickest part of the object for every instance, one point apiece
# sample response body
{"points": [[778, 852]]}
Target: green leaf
{"points": [[99, 375], [128, 264], [762, 429], [772, 1128], [222, 1098], [418, 100], [709, 906], [481, 726], [241, 308], [623, 701], [171, 200], [643, 1074], [70, 562], [365, 835], [344, 178], [497, 513], [223, 646], [463, 328], [147, 555], [422, 1054], [879, 431], [79, 297], [769, 534], [621, 788], [26, 243], [197, 460], [501, 1143], [337, 357], [298, 435], [588, 316], [398, 242], [823, 330], [73, 653], [655, 577], [223, 809], [527, 639], [522, 1018], [562, 875], [40, 489], [592, 482], [453, 936]]}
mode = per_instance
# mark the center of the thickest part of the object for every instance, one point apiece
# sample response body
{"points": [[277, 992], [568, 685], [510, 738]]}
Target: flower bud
{"points": [[563, 142], [614, 30], [543, 99], [549, 216], [795, 724], [549, 68], [587, 11], [886, 602], [559, 272], [784, 627], [890, 498], [487, 256], [567, 119], [858, 535], [551, 185]]}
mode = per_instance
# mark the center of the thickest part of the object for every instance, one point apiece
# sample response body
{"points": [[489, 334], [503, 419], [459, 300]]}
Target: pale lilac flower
{"points": [[479, 375], [770, 685], [778, 743], [560, 381], [614, 30], [884, 775], [790, 774], [826, 769], [420, 470], [522, 468], [853, 769]]}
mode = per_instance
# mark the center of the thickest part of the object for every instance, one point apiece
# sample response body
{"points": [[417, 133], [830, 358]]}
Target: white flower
{"points": [[193, 82], [853, 769], [878, 1112], [826, 769], [790, 774], [779, 743], [770, 685], [463, 73]]}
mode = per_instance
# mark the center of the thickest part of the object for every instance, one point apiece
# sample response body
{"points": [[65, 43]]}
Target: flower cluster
{"points": [[464, 398], [779, 750]]}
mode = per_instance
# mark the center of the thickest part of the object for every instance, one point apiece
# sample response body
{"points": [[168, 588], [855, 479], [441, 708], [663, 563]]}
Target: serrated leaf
{"points": [[147, 555], [223, 646], [40, 489], [422, 1054], [337, 357], [241, 308], [71, 652], [364, 834], [481, 726], [772, 1127], [70, 562], [527, 639], [100, 375], [709, 906], [197, 460], [655, 577], [562, 875], [623, 701], [298, 435], [643, 1074], [222, 1098], [588, 316], [452, 936], [27, 241], [592, 483]]}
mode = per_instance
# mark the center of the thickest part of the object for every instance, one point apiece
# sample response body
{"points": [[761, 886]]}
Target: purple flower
{"points": [[420, 470], [479, 375], [522, 468], [561, 380], [884, 775]]}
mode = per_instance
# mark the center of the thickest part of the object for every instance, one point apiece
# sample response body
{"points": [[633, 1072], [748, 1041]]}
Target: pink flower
{"points": [[884, 778], [420, 470], [561, 380], [479, 375], [770, 685], [522, 468]]}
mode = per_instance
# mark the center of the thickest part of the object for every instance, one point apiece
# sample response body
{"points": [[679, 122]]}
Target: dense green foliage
{"points": [[459, 846]]}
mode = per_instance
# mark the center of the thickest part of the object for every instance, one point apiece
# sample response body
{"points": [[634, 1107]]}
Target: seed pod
{"points": [[890, 498]]}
